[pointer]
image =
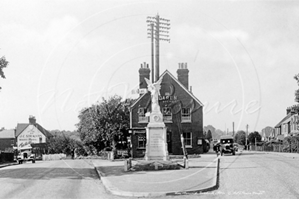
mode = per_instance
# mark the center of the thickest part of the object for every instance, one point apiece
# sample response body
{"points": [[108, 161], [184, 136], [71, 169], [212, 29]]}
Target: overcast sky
{"points": [[67, 55]]}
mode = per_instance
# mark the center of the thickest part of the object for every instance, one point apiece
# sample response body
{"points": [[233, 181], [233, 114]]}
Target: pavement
{"points": [[288, 155], [8, 164], [201, 176]]}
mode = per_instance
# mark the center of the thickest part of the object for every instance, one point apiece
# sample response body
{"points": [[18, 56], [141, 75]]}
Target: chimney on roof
{"points": [[288, 110], [32, 119], [183, 75], [144, 72]]}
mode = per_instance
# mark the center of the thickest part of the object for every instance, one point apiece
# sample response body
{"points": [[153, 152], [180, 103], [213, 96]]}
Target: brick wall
{"points": [[171, 87], [6, 143]]}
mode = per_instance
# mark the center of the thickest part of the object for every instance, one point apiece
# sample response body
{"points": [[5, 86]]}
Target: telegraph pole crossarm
{"points": [[158, 26]]}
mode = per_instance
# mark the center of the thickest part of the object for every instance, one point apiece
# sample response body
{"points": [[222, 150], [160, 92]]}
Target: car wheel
{"points": [[233, 152]]}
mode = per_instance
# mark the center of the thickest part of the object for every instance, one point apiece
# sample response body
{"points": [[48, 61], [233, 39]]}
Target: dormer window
{"points": [[142, 115], [167, 114], [186, 115]]}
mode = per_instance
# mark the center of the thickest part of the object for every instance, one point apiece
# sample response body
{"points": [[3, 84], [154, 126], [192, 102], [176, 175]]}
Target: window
{"points": [[40, 140], [142, 115], [167, 114], [185, 115], [188, 139], [296, 122], [141, 140]]}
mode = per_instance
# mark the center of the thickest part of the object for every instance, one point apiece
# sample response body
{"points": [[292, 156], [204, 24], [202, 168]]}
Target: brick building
{"points": [[182, 113], [289, 125], [32, 136], [7, 140]]}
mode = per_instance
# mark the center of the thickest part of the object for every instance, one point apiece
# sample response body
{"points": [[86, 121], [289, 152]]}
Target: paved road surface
{"points": [[256, 175], [51, 179], [246, 175]]}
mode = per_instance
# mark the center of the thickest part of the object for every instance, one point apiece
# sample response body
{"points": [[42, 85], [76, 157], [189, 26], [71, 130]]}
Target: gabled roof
{"points": [[178, 82], [288, 116], [7, 133], [183, 87], [137, 100], [22, 126], [42, 130]]}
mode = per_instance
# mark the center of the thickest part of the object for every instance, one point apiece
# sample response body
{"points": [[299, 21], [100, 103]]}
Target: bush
{"points": [[291, 144]]}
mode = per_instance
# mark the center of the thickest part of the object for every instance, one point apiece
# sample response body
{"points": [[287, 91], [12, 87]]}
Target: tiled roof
{"points": [[178, 82], [22, 126], [7, 133], [44, 131], [283, 120]]}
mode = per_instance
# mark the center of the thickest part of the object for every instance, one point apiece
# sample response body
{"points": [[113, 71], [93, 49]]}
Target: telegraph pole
{"points": [[159, 32], [247, 126], [233, 129], [152, 52]]}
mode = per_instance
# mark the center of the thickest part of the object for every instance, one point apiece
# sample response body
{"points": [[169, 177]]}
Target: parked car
{"points": [[25, 156], [226, 145]]}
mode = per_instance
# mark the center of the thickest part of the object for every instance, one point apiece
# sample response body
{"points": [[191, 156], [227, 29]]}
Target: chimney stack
{"points": [[32, 119], [144, 72], [183, 75]]}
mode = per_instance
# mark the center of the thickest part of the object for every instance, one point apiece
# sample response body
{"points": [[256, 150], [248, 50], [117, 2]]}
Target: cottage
{"points": [[7, 140], [289, 125], [32, 134]]}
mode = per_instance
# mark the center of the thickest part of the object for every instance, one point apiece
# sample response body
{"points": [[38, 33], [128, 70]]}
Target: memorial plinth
{"points": [[156, 146]]}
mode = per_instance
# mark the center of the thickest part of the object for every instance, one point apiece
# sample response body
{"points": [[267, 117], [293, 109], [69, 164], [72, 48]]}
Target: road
{"points": [[245, 175], [51, 179], [256, 175]]}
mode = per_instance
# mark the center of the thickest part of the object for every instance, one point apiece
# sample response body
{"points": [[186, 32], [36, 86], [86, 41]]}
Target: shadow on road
{"points": [[49, 173], [250, 153]]}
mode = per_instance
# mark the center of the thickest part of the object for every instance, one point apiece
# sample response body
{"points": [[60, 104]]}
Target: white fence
{"points": [[54, 157]]}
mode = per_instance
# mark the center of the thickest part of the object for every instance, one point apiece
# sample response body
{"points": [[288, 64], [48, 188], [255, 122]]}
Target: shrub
{"points": [[291, 144]]}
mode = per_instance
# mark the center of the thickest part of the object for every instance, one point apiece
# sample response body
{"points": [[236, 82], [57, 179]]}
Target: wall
{"points": [[6, 143], [30, 135], [170, 87], [6, 157]]}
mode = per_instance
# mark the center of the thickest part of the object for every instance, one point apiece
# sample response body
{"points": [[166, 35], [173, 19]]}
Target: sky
{"points": [[67, 55]]}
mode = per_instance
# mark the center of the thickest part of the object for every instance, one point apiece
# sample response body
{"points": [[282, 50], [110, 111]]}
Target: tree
{"points": [[103, 124], [291, 144], [209, 135], [3, 64], [296, 77], [253, 135], [240, 137], [60, 143]]}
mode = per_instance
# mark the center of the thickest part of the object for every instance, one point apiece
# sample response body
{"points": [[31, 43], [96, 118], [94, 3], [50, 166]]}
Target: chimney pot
{"points": [[32, 119], [144, 72], [183, 75]]}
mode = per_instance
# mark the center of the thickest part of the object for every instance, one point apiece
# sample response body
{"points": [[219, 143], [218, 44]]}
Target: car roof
{"points": [[226, 137]]}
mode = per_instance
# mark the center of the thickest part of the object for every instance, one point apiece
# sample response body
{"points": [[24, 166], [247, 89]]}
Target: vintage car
{"points": [[226, 145], [25, 156]]}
